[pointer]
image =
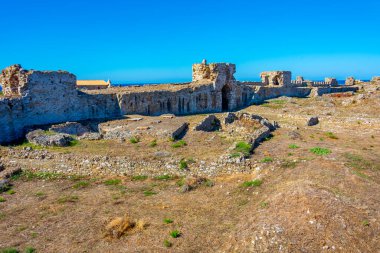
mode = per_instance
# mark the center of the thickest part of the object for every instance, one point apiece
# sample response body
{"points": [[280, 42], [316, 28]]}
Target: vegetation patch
{"points": [[167, 244], [163, 177], [149, 193], [30, 175], [331, 135], [289, 164], [2, 199], [320, 151], [358, 162], [139, 178], [254, 183], [168, 221], [112, 182], [293, 146], [175, 234], [68, 199], [267, 160], [242, 148], [153, 143], [134, 140], [183, 164], [179, 144], [81, 184], [9, 250]]}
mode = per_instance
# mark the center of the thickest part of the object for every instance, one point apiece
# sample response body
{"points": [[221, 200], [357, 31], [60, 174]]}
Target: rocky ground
{"points": [[304, 189]]}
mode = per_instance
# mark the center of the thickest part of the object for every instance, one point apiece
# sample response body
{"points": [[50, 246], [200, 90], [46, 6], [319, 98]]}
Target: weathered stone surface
{"points": [[313, 121], [350, 81], [91, 136], [73, 128], [376, 79], [277, 78], [331, 81], [40, 137], [50, 97], [208, 124], [230, 118], [13, 80]]}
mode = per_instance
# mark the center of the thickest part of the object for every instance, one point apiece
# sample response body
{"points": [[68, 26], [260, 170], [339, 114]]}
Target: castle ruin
{"points": [[33, 98]]}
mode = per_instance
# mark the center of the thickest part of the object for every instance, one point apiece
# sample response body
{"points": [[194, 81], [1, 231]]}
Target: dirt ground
{"points": [[322, 201]]}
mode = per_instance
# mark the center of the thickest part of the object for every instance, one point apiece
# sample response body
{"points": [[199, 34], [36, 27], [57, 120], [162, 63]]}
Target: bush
{"points": [[112, 182], [320, 151], [167, 244], [183, 164], [244, 148], [179, 144], [267, 160], [168, 221], [293, 146], [254, 183], [153, 143], [134, 140]]}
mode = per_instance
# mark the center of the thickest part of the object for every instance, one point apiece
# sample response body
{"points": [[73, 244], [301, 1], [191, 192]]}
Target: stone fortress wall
{"points": [[33, 98]]}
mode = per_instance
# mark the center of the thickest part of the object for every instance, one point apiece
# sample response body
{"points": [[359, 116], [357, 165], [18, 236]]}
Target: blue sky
{"points": [[157, 41]]}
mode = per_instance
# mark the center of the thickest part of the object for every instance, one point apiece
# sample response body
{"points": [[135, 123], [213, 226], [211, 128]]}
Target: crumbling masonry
{"points": [[34, 98]]}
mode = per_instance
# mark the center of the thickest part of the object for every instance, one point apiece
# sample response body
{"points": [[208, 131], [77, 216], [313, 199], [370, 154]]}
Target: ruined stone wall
{"points": [[277, 78], [47, 97], [260, 94]]}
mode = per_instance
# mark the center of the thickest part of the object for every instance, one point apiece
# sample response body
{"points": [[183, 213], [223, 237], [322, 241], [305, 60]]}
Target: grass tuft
{"points": [[331, 135], [243, 148], [254, 183], [134, 140], [168, 221], [112, 182], [320, 151], [293, 146], [68, 199], [81, 184], [179, 144], [163, 177], [183, 164], [139, 178], [153, 143], [175, 234], [167, 244], [267, 160]]}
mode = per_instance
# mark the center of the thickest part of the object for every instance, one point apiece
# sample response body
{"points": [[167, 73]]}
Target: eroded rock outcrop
{"points": [[49, 139]]}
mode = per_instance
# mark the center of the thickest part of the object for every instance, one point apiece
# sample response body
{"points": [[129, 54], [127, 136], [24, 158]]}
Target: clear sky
{"points": [[157, 41]]}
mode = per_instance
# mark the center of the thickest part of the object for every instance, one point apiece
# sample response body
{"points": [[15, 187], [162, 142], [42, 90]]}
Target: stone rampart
{"points": [[33, 98]]}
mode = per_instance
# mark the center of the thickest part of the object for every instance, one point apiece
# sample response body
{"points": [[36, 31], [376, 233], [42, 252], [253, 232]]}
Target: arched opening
{"points": [[225, 97]]}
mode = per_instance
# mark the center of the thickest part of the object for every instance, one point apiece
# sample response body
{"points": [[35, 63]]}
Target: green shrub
{"points": [[175, 234], [243, 148], [168, 221], [134, 140], [254, 183], [179, 144], [183, 164], [81, 184], [163, 177], [267, 160], [11, 192], [2, 199], [149, 193], [293, 146], [153, 143], [112, 182], [320, 151]]}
